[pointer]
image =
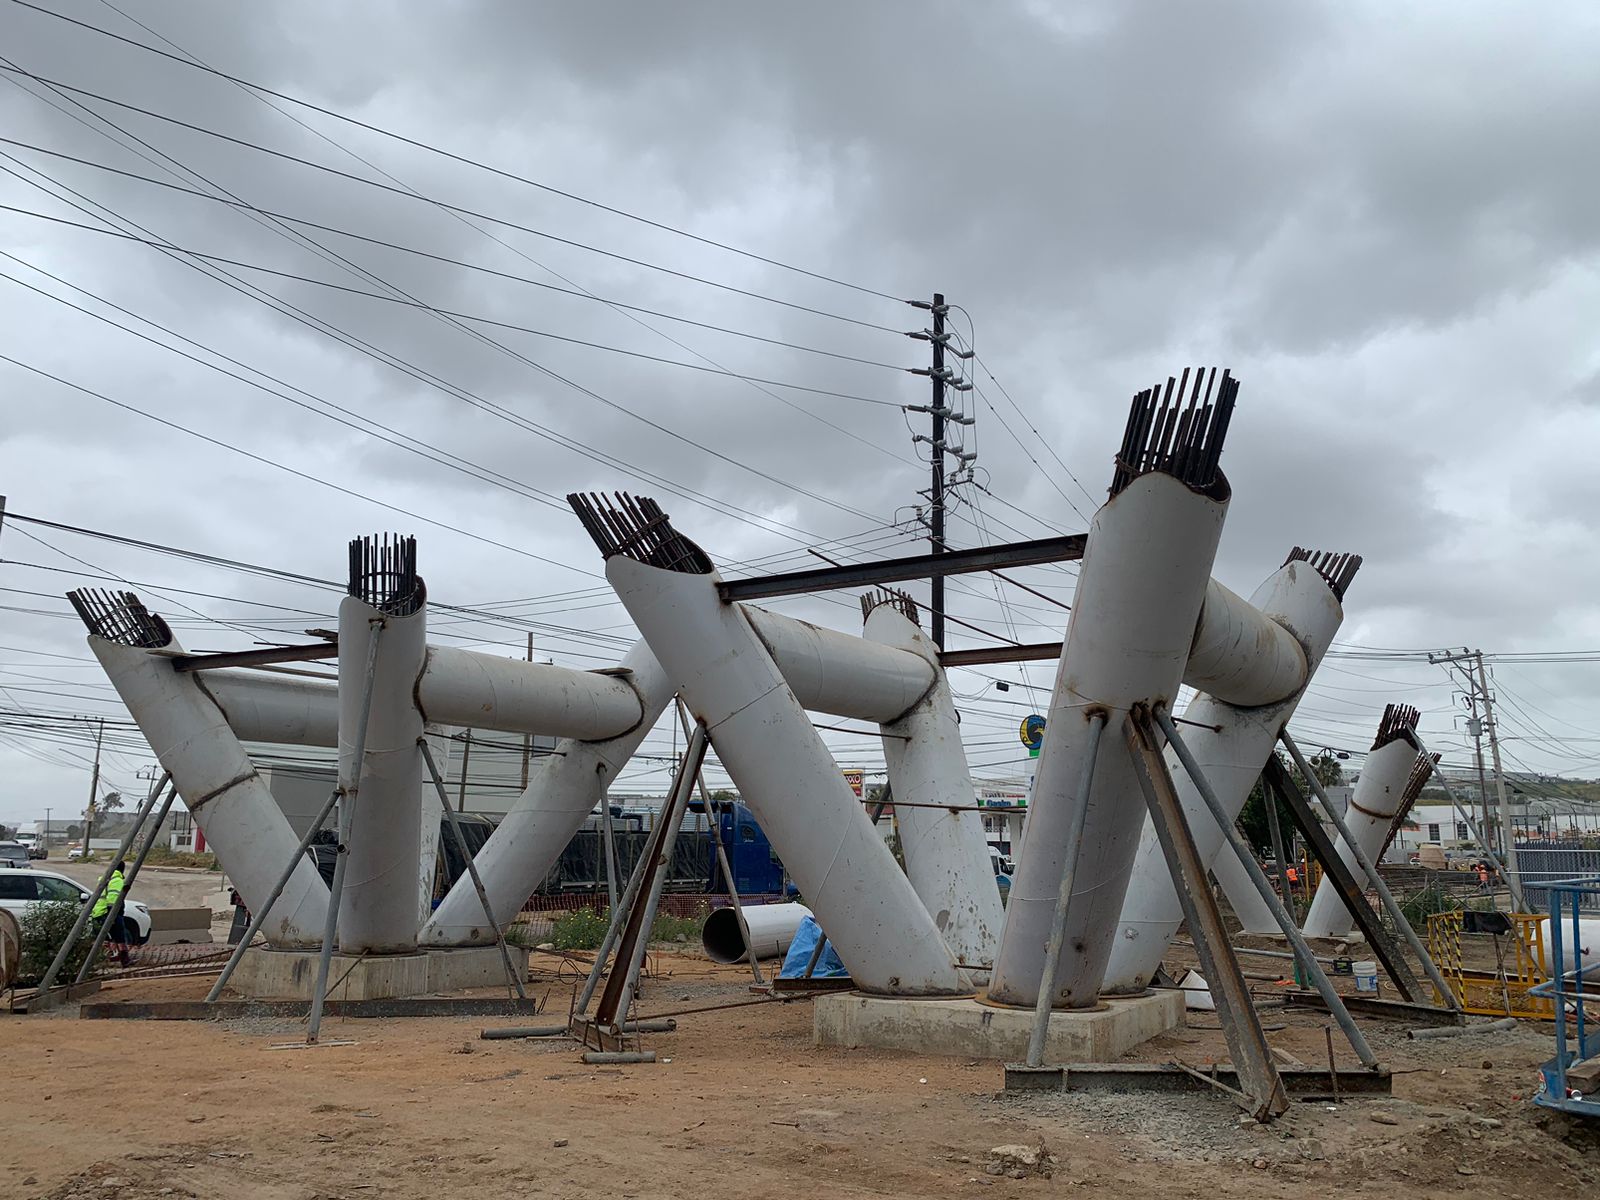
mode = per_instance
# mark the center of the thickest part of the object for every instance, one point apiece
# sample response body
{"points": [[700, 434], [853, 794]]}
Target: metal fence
{"points": [[1542, 863]]}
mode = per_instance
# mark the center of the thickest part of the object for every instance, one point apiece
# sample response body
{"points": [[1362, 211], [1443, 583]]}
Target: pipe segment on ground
{"points": [[231, 805], [1373, 804], [946, 850], [772, 928], [378, 911], [784, 772], [841, 674], [564, 788], [1231, 743], [1144, 576]]}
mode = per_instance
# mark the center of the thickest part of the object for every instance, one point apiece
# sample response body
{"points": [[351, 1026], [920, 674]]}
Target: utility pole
{"points": [[1475, 728], [466, 757], [944, 381], [94, 787], [527, 738], [1507, 825], [1470, 664]]}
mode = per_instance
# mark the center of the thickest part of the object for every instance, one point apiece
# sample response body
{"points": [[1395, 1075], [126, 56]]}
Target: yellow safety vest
{"points": [[112, 894]]}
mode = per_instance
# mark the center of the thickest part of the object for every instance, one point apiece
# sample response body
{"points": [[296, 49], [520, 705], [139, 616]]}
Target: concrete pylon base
{"points": [[291, 974], [966, 1029]]}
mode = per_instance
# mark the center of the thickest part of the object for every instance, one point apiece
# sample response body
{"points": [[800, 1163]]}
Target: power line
{"points": [[454, 391], [575, 292], [482, 216], [425, 306], [539, 367], [193, 63], [282, 467]]}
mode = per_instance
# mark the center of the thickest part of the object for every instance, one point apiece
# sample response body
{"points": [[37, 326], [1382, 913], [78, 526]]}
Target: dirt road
{"points": [[159, 887], [742, 1105]]}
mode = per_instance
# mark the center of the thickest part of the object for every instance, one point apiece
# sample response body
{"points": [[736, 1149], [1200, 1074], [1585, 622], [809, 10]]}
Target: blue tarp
{"points": [[800, 950]]}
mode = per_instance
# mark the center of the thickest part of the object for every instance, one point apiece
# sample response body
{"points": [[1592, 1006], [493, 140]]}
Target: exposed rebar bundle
{"points": [[900, 601], [1184, 440], [120, 617], [638, 529], [1336, 569], [384, 574], [1420, 774], [1399, 721]]}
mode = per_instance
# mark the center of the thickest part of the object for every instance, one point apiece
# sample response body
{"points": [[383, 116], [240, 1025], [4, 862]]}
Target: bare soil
{"points": [[741, 1105]]}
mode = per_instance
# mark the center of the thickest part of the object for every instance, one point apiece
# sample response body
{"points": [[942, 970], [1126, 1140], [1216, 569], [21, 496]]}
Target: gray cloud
{"points": [[1381, 223]]}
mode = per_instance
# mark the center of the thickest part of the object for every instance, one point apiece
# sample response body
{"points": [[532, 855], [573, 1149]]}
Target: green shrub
{"points": [[45, 927], [580, 929], [669, 928], [1431, 899]]}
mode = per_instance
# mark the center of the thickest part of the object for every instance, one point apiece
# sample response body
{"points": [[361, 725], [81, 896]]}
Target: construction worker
{"points": [[111, 902]]}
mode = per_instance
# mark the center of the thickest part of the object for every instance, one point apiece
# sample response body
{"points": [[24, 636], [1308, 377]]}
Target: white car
{"points": [[19, 889]]}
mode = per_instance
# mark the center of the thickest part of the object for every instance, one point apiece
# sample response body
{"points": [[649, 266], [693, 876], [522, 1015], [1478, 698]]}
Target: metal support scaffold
{"points": [[513, 977]]}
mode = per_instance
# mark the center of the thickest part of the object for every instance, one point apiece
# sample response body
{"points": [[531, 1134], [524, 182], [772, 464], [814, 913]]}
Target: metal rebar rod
{"points": [[1318, 976], [694, 754], [722, 854], [608, 841], [82, 922], [619, 913], [127, 884], [1069, 873], [258, 919], [1385, 896], [1472, 828], [513, 980], [347, 809]]}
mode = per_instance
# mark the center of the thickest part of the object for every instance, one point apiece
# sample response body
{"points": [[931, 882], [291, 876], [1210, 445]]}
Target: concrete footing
{"points": [[968, 1029], [291, 974]]}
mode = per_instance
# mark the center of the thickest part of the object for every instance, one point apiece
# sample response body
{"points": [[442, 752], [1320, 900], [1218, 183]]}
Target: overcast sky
{"points": [[1382, 218]]}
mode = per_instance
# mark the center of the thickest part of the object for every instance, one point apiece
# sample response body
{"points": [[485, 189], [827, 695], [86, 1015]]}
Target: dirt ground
{"points": [[741, 1104]]}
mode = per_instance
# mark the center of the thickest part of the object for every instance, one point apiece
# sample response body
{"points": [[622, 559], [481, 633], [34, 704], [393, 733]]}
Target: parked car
{"points": [[74, 854], [13, 855], [19, 889]]}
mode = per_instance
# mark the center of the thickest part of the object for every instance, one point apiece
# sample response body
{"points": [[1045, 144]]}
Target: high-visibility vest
{"points": [[109, 898], [1293, 874]]}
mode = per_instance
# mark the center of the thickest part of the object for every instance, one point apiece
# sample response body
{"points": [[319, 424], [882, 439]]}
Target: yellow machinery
{"points": [[1500, 990]]}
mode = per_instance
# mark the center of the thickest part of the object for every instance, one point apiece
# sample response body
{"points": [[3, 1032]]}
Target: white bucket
{"points": [[1366, 975]]}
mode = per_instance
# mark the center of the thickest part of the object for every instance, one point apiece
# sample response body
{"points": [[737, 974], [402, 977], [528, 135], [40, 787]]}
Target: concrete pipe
{"points": [[378, 911], [772, 928], [945, 849], [840, 674], [486, 691], [285, 710], [1379, 795], [1232, 744], [564, 788], [1251, 910], [766, 741], [191, 738], [1145, 570], [1241, 655]]}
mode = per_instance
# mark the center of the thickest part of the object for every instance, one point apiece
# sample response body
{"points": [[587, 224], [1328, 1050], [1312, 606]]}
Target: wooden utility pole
{"points": [[94, 786]]}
